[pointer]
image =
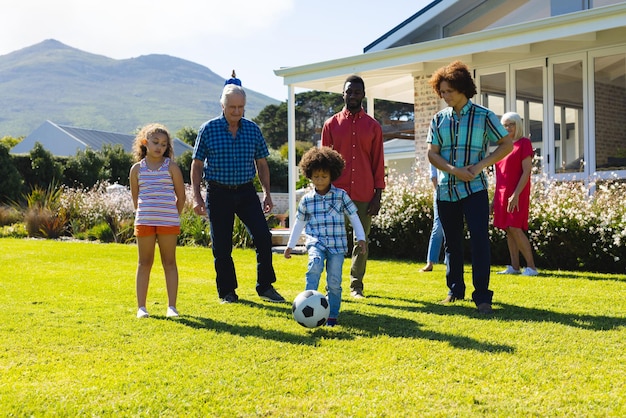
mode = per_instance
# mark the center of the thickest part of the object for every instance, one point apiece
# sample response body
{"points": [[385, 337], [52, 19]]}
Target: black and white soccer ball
{"points": [[310, 309]]}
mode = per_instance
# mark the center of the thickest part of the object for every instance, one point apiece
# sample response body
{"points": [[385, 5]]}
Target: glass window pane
{"points": [[529, 105], [610, 112], [568, 120], [493, 92]]}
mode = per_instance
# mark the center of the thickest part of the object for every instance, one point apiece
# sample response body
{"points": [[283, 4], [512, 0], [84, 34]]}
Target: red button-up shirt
{"points": [[359, 139]]}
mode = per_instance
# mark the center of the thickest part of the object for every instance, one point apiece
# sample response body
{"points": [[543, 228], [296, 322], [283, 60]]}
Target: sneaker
{"points": [[271, 295], [331, 322], [485, 309], [142, 313], [509, 270], [230, 298], [171, 312], [529, 271], [357, 294]]}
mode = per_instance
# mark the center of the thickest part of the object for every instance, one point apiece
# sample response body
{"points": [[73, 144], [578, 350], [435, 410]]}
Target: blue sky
{"points": [[255, 38]]}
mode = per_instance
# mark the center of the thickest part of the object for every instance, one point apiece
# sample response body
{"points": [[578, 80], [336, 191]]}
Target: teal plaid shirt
{"points": [[464, 141]]}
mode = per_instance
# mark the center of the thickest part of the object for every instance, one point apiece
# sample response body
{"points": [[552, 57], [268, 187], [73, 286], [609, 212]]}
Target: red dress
{"points": [[508, 172]]}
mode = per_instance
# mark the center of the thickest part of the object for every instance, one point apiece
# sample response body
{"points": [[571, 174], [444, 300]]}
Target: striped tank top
{"points": [[156, 202]]}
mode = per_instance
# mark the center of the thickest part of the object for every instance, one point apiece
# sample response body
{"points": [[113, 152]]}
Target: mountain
{"points": [[52, 81]]}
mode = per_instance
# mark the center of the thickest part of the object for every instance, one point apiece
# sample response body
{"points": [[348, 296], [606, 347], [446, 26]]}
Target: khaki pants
{"points": [[359, 260]]}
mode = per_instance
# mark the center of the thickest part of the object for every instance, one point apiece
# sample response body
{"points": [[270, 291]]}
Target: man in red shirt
{"points": [[358, 137]]}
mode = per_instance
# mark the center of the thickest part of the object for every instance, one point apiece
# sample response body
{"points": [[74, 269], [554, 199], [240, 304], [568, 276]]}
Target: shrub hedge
{"points": [[573, 225]]}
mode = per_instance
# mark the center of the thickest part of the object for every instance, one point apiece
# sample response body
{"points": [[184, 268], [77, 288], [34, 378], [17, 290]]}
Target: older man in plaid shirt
{"points": [[230, 150]]}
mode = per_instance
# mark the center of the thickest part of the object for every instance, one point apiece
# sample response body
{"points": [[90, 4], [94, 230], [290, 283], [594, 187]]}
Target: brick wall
{"points": [[427, 103], [610, 133]]}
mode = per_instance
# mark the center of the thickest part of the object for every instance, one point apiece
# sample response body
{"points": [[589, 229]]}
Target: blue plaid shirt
{"points": [[464, 141], [325, 218], [229, 160]]}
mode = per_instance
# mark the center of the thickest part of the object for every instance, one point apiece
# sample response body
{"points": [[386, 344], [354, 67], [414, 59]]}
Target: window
{"points": [[568, 117], [609, 91]]}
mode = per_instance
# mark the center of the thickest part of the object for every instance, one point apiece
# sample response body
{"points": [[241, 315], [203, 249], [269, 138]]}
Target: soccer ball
{"points": [[310, 309]]}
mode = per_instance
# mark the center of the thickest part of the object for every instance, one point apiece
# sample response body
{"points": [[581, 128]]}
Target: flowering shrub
{"points": [[579, 226], [572, 225], [402, 227], [89, 208]]}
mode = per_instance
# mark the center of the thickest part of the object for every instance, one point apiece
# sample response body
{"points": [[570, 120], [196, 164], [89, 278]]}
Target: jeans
{"points": [[222, 206], [436, 238], [475, 210], [334, 264]]}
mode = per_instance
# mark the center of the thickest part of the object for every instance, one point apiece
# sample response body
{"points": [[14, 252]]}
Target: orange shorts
{"points": [[148, 230]]}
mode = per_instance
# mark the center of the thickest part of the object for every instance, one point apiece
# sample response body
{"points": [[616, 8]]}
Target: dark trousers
{"points": [[474, 209], [222, 206]]}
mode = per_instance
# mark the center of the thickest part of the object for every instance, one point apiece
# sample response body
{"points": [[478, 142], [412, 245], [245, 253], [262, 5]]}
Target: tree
{"points": [[117, 163], [184, 162], [11, 184], [315, 107], [45, 170], [187, 135], [385, 110], [10, 142], [312, 110], [273, 123], [83, 169]]}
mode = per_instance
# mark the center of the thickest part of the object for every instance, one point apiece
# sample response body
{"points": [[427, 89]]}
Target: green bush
{"points": [[117, 163], [572, 225], [45, 169], [194, 230], [16, 230], [401, 230], [9, 215], [45, 217], [11, 184], [83, 169], [101, 232]]}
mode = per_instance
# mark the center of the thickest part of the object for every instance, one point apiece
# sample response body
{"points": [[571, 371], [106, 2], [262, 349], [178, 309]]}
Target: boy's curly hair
{"points": [[323, 158]]}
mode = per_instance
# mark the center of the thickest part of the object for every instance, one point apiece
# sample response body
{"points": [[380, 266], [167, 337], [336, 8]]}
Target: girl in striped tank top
{"points": [[158, 191]]}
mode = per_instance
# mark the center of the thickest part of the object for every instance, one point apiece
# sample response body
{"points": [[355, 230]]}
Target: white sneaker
{"points": [[529, 271], [142, 313], [171, 312], [509, 270]]}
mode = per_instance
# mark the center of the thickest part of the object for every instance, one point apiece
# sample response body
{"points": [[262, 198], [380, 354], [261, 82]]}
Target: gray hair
{"points": [[517, 119], [229, 90]]}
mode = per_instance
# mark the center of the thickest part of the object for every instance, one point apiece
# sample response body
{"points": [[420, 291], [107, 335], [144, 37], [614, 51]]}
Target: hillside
{"points": [[52, 81]]}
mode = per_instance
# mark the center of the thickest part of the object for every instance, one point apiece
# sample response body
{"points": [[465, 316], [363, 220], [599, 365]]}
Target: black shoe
{"points": [[485, 309], [230, 298], [271, 295]]}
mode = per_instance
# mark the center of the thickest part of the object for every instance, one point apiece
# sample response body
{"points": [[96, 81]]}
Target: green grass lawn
{"points": [[71, 346]]}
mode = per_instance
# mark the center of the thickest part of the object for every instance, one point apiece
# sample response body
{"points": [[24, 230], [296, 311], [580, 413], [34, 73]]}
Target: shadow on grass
{"points": [[508, 312], [352, 325], [578, 276]]}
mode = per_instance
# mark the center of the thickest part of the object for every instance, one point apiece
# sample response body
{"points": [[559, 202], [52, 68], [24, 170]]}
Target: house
{"points": [[65, 141], [560, 64], [400, 155]]}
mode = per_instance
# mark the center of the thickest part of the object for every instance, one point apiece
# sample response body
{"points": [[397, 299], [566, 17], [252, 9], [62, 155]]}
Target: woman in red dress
{"points": [[512, 196]]}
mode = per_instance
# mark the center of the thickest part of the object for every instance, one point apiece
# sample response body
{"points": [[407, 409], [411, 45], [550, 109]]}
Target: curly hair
{"points": [[323, 158], [144, 134], [457, 75]]}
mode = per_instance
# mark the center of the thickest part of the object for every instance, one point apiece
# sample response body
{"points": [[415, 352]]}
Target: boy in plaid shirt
{"points": [[322, 212]]}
